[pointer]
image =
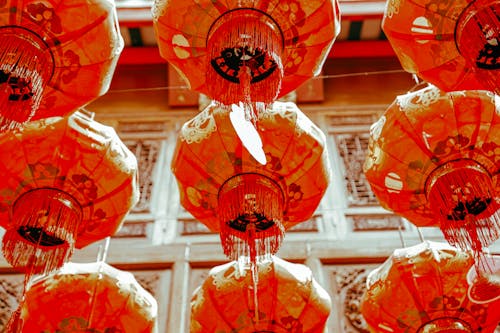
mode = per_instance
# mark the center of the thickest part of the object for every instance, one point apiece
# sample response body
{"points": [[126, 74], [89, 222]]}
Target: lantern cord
{"points": [[252, 244], [94, 294], [102, 252], [416, 78], [420, 235], [400, 232]]}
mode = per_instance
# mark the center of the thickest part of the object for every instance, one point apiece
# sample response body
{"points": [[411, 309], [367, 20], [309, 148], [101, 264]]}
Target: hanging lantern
{"points": [[454, 45], [68, 182], [246, 51], [251, 197], [56, 56], [423, 289], [288, 300], [433, 158], [92, 297]]}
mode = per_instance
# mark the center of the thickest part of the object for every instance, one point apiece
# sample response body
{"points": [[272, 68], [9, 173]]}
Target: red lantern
{"points": [[289, 300], [434, 158], [454, 45], [93, 297], [68, 182], [251, 203], [423, 289], [241, 51], [56, 56]]}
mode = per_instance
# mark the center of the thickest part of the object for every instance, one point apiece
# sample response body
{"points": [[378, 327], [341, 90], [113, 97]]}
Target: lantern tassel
{"points": [[43, 237], [463, 196], [25, 69], [245, 49], [248, 199]]}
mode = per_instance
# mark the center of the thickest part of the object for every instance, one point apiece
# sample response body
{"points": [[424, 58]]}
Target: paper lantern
{"points": [[241, 51], [92, 297], [423, 289], [251, 200], [68, 182], [56, 56], [434, 158], [288, 300], [454, 45]]}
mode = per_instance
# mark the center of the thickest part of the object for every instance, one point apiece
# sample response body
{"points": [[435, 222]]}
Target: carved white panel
{"points": [[346, 285], [11, 288], [158, 284], [352, 148], [146, 152]]}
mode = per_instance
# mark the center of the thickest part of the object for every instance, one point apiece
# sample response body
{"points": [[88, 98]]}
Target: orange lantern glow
{"points": [[289, 300], [454, 45], [251, 197], [434, 158], [68, 182], [241, 51], [93, 297], [423, 289], [56, 56]]}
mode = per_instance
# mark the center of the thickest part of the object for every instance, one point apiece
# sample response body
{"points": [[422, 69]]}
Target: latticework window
{"points": [[352, 148]]}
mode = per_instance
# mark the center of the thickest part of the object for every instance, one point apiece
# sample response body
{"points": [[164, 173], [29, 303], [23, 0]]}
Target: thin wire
{"points": [[336, 76], [332, 76], [102, 252], [420, 235], [147, 89], [400, 231]]}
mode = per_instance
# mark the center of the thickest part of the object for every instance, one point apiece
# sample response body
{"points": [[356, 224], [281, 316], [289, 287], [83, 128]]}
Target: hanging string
{"points": [[400, 231], [420, 235], [102, 253], [329, 76], [339, 76]]}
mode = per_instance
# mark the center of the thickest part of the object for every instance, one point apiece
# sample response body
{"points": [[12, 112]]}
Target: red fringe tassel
{"points": [[251, 213], [463, 196], [245, 45], [43, 235], [26, 66]]}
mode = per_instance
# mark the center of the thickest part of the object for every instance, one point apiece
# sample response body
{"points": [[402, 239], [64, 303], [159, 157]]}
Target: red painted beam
{"points": [[150, 55], [145, 55], [362, 49]]}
